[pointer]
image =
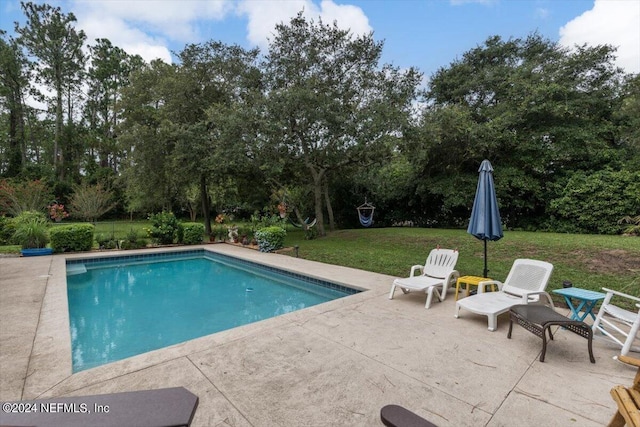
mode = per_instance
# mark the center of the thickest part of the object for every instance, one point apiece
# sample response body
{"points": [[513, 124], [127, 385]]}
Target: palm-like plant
{"points": [[634, 228], [31, 230]]}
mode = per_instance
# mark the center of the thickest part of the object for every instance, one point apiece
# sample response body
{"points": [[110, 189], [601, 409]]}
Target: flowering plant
{"points": [[57, 212], [220, 218]]}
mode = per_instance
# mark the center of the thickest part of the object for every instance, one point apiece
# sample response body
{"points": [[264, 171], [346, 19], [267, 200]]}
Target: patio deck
{"points": [[333, 364]]}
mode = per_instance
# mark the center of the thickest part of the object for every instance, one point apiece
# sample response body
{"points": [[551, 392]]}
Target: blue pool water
{"points": [[125, 306]]}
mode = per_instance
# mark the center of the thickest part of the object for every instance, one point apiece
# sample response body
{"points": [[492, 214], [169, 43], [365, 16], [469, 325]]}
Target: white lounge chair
{"points": [[434, 277], [619, 325], [526, 283]]}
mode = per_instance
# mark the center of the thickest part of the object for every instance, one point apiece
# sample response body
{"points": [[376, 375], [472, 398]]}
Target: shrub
{"points": [[133, 241], [7, 228], [634, 228], [91, 202], [164, 228], [18, 197], [193, 233], [72, 238], [311, 233], [180, 233], [31, 230], [264, 221], [270, 238], [106, 242], [594, 202]]}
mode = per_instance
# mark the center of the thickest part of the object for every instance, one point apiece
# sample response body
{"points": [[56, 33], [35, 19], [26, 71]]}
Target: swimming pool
{"points": [[127, 305]]}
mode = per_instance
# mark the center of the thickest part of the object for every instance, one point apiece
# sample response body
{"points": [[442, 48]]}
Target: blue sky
{"points": [[427, 34]]}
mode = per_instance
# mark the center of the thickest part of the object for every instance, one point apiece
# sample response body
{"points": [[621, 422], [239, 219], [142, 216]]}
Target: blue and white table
{"points": [[585, 299]]}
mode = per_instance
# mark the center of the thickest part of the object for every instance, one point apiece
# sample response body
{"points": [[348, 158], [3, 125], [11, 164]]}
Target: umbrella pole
{"points": [[486, 271]]}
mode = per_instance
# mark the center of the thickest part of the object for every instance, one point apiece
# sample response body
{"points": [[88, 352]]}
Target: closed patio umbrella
{"points": [[485, 221]]}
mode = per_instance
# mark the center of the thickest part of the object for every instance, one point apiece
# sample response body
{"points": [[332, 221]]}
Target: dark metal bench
{"points": [[538, 320], [397, 416], [167, 407]]}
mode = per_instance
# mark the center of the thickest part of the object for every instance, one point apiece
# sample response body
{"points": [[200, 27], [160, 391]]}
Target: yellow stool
{"points": [[471, 281]]}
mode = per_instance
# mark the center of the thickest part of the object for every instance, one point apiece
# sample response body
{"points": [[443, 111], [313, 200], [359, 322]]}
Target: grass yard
{"points": [[588, 261], [119, 229]]}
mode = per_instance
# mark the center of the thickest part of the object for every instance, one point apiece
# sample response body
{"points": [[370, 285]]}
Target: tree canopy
{"points": [[316, 124]]}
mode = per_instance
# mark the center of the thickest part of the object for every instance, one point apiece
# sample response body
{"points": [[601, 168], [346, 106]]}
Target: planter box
{"points": [[36, 251]]}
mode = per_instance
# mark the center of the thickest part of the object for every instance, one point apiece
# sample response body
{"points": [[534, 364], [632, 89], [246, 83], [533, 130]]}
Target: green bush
{"points": [[594, 202], [270, 238], [258, 222], [29, 216], [165, 227], [133, 241], [106, 242], [22, 196], [30, 230], [7, 228], [193, 233], [72, 238], [311, 233]]}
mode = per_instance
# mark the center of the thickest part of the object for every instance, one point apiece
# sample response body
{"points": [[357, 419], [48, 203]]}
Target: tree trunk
{"points": [[327, 201], [57, 157], [318, 177], [206, 206], [16, 140]]}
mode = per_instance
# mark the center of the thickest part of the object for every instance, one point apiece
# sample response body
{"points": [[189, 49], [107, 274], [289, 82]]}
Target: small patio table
{"points": [[587, 301], [471, 281]]}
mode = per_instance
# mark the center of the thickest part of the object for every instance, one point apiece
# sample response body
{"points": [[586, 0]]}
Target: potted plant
{"points": [[32, 234]]}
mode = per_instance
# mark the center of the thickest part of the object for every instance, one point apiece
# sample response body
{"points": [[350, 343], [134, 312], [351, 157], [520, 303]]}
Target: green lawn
{"points": [[588, 261], [117, 229]]}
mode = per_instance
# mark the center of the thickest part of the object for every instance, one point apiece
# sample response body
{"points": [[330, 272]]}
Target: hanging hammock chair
{"points": [[306, 223], [365, 213]]}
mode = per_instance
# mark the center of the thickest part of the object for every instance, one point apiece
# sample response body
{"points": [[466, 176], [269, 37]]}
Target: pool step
{"points": [[73, 269]]}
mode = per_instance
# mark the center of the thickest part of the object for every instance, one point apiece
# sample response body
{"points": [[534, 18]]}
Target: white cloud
{"points": [[130, 39], [613, 22], [148, 27], [347, 16], [264, 15], [143, 27], [172, 18]]}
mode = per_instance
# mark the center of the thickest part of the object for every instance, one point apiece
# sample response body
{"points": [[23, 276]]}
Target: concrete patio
{"points": [[333, 364]]}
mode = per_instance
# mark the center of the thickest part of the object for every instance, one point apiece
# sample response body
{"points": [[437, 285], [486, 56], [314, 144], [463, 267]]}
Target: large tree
{"points": [[191, 123], [329, 102], [538, 111], [146, 137], [13, 85], [51, 38], [108, 73], [212, 107]]}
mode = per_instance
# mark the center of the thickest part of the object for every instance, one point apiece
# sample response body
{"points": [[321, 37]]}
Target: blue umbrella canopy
{"points": [[485, 223]]}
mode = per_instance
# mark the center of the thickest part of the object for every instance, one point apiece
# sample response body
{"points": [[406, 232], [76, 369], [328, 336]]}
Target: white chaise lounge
{"points": [[526, 283], [433, 278]]}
